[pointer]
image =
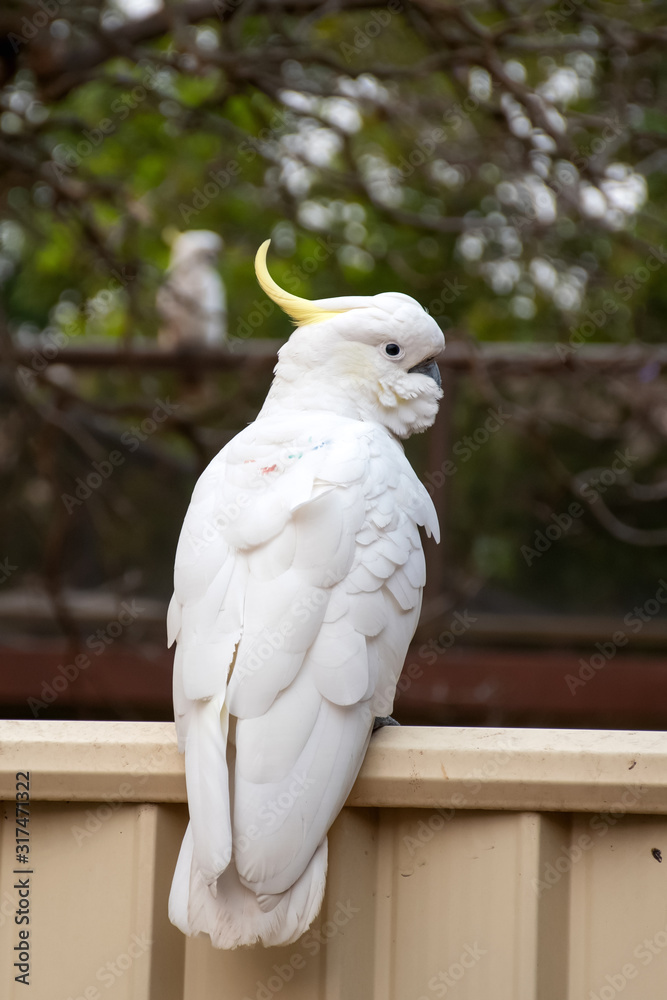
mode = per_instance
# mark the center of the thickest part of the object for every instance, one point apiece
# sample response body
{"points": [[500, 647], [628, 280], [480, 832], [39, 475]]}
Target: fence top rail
{"points": [[461, 768]]}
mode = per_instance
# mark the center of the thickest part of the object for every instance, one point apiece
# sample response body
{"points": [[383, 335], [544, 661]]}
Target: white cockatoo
{"points": [[298, 584], [192, 303]]}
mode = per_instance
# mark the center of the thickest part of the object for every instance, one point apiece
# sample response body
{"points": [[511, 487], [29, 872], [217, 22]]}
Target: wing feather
{"points": [[297, 591], [208, 787], [289, 816]]}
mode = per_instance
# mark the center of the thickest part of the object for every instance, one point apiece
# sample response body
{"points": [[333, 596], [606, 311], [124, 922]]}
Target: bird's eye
{"points": [[392, 350]]}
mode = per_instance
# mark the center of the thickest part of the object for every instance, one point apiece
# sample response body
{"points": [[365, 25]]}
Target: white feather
{"points": [[298, 586]]}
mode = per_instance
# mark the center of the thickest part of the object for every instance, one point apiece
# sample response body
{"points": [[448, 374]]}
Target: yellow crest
{"points": [[301, 310]]}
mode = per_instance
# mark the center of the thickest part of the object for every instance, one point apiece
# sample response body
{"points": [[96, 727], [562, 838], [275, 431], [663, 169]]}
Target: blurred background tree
{"points": [[502, 162]]}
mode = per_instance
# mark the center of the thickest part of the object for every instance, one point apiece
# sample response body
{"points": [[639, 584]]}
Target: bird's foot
{"points": [[384, 720]]}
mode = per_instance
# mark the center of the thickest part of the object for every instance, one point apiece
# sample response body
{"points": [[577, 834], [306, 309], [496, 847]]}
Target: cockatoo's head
{"points": [[194, 248], [369, 356]]}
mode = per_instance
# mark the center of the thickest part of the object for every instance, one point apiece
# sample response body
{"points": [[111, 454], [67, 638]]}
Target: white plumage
{"points": [[192, 302], [298, 583]]}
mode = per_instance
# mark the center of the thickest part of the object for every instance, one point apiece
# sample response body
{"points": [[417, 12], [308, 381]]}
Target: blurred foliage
{"points": [[504, 163]]}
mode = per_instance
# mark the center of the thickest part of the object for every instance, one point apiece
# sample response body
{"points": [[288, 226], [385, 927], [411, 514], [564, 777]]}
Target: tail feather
{"points": [[235, 915], [208, 787]]}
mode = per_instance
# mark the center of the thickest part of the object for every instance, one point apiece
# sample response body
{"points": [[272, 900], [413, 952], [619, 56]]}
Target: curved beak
{"points": [[429, 368]]}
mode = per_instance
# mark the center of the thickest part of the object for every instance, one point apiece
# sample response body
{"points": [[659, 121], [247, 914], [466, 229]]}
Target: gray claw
{"points": [[384, 720]]}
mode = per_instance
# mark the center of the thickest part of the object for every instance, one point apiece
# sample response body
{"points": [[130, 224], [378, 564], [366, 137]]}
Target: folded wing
{"points": [[298, 587]]}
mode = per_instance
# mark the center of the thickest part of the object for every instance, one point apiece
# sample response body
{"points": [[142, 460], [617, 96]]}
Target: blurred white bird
{"points": [[192, 302], [298, 584]]}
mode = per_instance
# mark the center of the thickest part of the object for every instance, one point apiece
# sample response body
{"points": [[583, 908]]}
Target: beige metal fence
{"points": [[476, 864]]}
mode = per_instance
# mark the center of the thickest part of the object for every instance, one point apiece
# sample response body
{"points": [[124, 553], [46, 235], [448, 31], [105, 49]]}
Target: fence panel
{"points": [[518, 864]]}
